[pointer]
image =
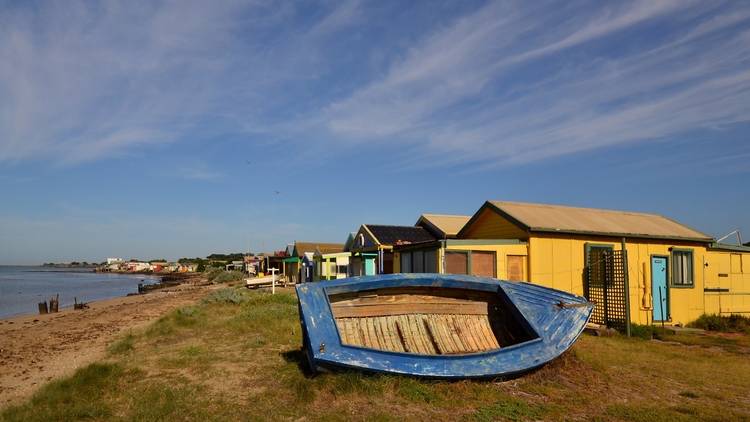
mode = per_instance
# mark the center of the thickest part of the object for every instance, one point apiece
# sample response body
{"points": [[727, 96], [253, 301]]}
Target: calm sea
{"points": [[22, 288]]}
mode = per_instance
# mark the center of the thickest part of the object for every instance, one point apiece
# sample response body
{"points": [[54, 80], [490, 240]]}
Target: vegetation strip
{"points": [[236, 356]]}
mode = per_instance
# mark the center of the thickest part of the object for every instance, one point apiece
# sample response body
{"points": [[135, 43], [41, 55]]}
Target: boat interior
{"points": [[429, 320]]}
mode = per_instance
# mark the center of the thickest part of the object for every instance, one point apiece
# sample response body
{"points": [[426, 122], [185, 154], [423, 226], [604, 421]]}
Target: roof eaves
{"points": [[626, 235], [367, 229], [729, 247]]}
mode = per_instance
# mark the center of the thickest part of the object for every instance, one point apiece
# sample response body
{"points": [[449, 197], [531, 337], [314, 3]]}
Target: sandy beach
{"points": [[35, 349]]}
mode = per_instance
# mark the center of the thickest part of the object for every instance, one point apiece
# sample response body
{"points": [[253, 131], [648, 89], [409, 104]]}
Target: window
{"points": [[682, 268], [483, 264], [343, 269], [456, 262], [417, 262], [430, 262], [405, 262], [516, 265]]}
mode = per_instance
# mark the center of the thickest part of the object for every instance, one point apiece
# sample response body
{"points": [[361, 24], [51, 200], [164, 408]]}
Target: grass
{"points": [[235, 356], [509, 409]]}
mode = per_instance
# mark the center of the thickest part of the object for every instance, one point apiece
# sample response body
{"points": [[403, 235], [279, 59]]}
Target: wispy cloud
{"points": [[509, 82], [514, 85], [195, 170], [84, 80]]}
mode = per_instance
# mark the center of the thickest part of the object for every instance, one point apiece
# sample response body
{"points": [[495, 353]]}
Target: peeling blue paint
{"points": [[556, 327]]}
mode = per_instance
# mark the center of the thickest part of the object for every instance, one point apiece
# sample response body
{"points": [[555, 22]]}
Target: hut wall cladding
{"points": [[558, 261], [489, 225], [727, 282]]}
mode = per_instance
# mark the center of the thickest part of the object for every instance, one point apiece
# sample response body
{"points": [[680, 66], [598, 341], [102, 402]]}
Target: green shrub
{"points": [[226, 296], [730, 324], [648, 332], [218, 276]]}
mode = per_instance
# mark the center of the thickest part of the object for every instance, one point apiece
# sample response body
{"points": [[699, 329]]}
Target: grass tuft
{"points": [[510, 409], [122, 345], [647, 413], [689, 394], [417, 391], [80, 396]]}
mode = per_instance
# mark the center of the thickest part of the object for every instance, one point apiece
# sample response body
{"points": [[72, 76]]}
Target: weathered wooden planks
{"points": [[426, 334], [401, 304]]}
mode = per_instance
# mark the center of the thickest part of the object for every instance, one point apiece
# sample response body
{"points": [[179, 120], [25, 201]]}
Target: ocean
{"points": [[22, 288]]}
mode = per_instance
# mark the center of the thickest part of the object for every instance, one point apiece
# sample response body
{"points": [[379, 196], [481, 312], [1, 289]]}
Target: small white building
{"points": [[111, 261]]}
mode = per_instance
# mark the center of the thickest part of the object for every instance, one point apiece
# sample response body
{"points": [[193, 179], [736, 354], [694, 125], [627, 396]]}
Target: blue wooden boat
{"points": [[438, 326]]}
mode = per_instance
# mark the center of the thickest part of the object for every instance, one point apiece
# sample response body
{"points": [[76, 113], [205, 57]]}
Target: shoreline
{"points": [[36, 349], [164, 281]]}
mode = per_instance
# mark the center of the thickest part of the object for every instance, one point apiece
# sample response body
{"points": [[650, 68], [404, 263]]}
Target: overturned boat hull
{"points": [[438, 326]]}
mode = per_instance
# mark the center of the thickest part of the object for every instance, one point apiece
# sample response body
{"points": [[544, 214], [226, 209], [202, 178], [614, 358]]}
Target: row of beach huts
{"points": [[668, 272]]}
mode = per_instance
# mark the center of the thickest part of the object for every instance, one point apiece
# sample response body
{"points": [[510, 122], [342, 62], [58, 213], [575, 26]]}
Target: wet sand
{"points": [[35, 349]]}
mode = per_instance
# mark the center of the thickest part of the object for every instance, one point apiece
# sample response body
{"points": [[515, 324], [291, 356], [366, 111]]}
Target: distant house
{"points": [[299, 266], [137, 266], [372, 246], [187, 268], [158, 267], [111, 261], [331, 265], [235, 266]]}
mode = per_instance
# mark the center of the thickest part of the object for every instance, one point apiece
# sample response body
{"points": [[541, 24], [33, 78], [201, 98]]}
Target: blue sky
{"points": [[164, 129]]}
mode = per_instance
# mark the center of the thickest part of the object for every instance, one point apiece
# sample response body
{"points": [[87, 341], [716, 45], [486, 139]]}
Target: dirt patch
{"points": [[35, 349]]}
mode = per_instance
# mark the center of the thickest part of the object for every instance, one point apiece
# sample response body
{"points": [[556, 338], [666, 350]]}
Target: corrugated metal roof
{"points": [[444, 225], [391, 235], [564, 219]]}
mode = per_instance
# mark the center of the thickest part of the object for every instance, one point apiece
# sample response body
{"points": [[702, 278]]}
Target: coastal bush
{"points": [[648, 332], [727, 324], [218, 276], [226, 296]]}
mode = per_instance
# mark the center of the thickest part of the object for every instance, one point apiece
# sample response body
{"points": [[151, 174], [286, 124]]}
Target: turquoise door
{"points": [[659, 288], [369, 266]]}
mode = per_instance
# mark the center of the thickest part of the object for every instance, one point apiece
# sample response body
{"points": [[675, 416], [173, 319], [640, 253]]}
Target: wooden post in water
{"points": [[54, 304], [42, 308]]}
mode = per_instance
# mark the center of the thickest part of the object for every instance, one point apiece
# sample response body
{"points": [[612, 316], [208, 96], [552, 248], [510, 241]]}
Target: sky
{"points": [[181, 128]]}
